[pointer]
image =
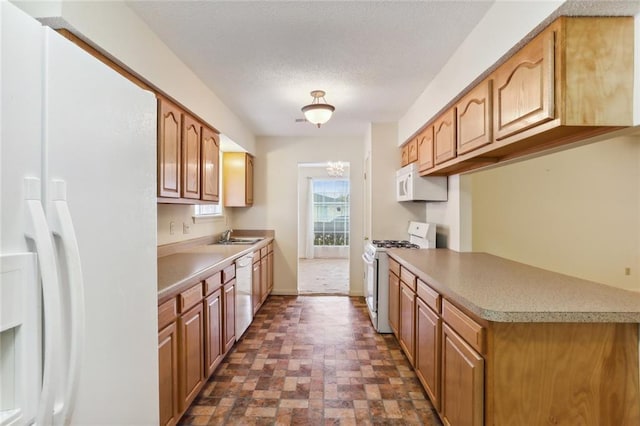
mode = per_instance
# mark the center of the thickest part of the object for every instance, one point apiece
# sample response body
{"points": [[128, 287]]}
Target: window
{"points": [[208, 210], [207, 213], [331, 212]]}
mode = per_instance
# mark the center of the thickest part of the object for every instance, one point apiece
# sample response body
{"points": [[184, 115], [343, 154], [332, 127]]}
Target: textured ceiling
{"points": [[262, 58]]}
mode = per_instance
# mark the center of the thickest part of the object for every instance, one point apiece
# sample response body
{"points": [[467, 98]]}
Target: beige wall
{"points": [[276, 199], [389, 219], [576, 212], [183, 214]]}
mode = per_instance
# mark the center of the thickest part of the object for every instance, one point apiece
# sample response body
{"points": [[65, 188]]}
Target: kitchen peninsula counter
{"points": [[497, 342], [501, 290], [178, 271]]}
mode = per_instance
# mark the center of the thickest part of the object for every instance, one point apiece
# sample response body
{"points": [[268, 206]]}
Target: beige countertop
{"points": [[179, 271], [497, 289]]}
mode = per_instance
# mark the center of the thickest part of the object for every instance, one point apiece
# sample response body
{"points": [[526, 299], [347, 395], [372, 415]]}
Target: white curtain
{"points": [[308, 246]]}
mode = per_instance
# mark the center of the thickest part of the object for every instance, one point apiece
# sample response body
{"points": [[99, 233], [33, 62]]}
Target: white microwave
{"points": [[410, 186]]}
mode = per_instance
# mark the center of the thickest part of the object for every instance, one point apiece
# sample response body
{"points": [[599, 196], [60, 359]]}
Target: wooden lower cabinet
{"points": [[213, 331], [264, 270], [168, 374], [229, 309], [190, 354], [270, 269], [394, 302], [427, 360], [256, 295], [462, 381], [407, 321]]}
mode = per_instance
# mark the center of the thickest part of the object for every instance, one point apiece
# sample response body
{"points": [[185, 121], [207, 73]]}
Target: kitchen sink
{"points": [[240, 240]]}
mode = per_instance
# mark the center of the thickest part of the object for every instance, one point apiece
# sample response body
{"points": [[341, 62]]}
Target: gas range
{"points": [[376, 276], [421, 235], [394, 244]]}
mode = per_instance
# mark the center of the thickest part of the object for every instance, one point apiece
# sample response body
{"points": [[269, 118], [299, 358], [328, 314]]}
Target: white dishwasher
{"points": [[244, 307]]}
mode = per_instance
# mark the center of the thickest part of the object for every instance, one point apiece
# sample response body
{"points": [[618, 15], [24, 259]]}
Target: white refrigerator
{"points": [[78, 289]]}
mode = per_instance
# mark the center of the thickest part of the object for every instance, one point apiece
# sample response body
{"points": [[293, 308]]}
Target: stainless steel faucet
{"points": [[226, 235]]}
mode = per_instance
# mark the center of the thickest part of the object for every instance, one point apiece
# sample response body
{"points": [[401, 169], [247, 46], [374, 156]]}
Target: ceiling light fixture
{"points": [[318, 112], [335, 169]]}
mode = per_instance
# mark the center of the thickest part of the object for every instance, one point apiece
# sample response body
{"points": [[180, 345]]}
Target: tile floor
{"points": [[313, 360], [323, 276]]}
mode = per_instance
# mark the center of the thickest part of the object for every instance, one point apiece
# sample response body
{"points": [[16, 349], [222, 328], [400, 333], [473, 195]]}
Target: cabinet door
{"points": [[425, 149], [264, 271], [444, 136], [249, 180], [474, 118], [404, 156], [191, 142], [191, 355], [523, 88], [407, 321], [256, 296], [412, 155], [462, 381], [428, 350], [210, 153], [169, 149], [213, 331], [270, 272], [394, 302], [168, 374], [229, 315]]}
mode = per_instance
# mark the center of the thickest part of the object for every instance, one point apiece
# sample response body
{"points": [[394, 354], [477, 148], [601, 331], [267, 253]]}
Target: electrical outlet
{"points": [[186, 228], [172, 228]]}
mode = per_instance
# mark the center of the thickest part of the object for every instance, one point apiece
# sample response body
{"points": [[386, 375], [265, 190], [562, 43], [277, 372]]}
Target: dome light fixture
{"points": [[318, 112]]}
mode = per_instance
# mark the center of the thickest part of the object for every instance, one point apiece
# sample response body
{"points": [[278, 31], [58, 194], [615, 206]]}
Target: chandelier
{"points": [[318, 112], [335, 169]]}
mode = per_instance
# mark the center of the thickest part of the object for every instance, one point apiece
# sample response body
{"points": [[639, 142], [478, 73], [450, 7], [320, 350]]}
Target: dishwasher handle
{"points": [[244, 261]]}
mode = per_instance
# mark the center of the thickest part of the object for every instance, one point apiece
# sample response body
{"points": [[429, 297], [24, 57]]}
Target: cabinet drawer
{"points": [[167, 313], [394, 267], [408, 278], [263, 251], [428, 295], [212, 283], [189, 298], [229, 273], [472, 332]]}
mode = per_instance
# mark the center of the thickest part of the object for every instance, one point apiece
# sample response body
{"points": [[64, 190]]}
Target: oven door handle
{"points": [[367, 260]]}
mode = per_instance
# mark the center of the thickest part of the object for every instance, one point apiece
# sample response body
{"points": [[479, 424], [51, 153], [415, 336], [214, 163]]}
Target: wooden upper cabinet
{"points": [[249, 180], [191, 130], [444, 136], [412, 155], [409, 152], [524, 87], [210, 156], [474, 112], [169, 149], [425, 149], [238, 179], [404, 156]]}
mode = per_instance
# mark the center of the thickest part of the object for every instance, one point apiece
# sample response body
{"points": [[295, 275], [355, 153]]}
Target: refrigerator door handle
{"points": [[37, 230], [62, 227]]}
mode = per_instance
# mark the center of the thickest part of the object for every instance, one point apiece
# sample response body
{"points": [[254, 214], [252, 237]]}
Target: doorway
{"points": [[324, 196]]}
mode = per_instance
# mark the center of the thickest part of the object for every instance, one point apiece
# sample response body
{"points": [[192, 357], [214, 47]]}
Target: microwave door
{"points": [[404, 188]]}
